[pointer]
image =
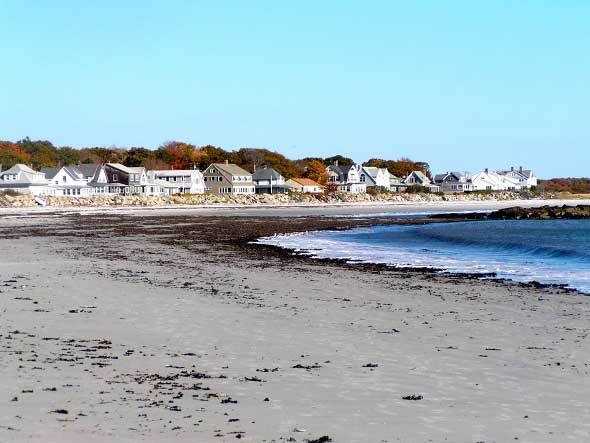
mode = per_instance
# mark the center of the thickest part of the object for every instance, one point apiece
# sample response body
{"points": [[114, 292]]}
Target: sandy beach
{"points": [[168, 325]]}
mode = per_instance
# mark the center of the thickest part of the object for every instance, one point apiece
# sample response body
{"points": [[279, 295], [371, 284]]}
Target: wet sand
{"points": [[153, 327]]}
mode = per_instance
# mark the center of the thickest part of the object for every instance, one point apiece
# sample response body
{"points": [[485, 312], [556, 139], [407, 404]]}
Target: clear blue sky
{"points": [[461, 84]]}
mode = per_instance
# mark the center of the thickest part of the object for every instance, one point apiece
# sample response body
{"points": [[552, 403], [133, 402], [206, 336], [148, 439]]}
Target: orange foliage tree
{"points": [[11, 154]]}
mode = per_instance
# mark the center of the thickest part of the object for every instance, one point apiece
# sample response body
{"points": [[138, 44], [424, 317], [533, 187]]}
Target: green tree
{"points": [[68, 156]]}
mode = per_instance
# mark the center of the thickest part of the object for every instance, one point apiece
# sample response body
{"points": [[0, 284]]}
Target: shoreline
{"points": [[294, 208], [184, 331]]}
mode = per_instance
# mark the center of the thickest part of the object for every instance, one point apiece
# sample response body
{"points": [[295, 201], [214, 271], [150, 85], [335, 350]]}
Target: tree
{"points": [[138, 157], [68, 156], [179, 155], [11, 154], [316, 170], [400, 168], [42, 152], [342, 161]]}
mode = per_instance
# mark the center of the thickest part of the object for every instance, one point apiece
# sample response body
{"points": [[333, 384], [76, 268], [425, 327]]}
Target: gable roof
{"points": [[88, 169], [306, 182], [230, 168], [420, 175], [50, 172], [19, 167], [266, 174], [127, 169]]}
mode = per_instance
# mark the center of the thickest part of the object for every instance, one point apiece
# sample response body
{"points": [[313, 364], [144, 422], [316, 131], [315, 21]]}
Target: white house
{"points": [[522, 178], [374, 177], [420, 179], [178, 181], [490, 181], [346, 178], [305, 185], [67, 180], [22, 179]]}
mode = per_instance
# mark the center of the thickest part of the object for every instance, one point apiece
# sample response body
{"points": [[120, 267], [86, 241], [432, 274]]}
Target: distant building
{"points": [[127, 180], [227, 178], [420, 179], [374, 177], [346, 178], [490, 181], [454, 182], [522, 178], [24, 180], [396, 184], [268, 181], [305, 185], [67, 180], [178, 181]]}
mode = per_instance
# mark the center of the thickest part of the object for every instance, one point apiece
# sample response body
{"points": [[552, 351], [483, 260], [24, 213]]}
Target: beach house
{"points": [[374, 177], [454, 182], [305, 185], [227, 178], [268, 181], [396, 184], [178, 181], [22, 179], [126, 180], [521, 178], [346, 178], [490, 181], [67, 180], [418, 178]]}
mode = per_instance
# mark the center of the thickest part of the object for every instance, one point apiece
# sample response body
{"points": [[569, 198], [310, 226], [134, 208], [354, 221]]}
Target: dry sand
{"points": [[170, 328]]}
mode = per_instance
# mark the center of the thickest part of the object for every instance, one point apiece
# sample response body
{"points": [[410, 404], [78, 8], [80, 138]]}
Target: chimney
{"points": [[226, 161], [511, 168], [335, 162], [487, 170], [520, 169]]}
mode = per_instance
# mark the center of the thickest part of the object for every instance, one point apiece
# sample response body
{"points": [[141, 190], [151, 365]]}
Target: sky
{"points": [[463, 85]]}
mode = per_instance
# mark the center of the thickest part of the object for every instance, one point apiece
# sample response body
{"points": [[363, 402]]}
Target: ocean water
{"points": [[547, 251]]}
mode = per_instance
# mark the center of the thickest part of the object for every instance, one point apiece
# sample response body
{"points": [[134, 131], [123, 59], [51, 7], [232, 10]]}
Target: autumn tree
{"points": [[42, 152], [11, 154], [179, 155], [316, 170]]}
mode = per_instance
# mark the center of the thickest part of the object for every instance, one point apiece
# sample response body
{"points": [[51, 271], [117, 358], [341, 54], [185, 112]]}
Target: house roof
{"points": [[174, 172], [50, 172], [127, 169], [19, 167], [230, 168], [266, 174], [305, 181], [88, 169], [420, 175]]}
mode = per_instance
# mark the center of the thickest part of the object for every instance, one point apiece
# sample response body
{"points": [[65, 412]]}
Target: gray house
{"points": [[454, 182], [268, 181], [227, 178]]}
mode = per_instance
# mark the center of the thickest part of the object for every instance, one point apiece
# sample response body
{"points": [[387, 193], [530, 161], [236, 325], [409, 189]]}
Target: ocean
{"points": [[546, 251]]}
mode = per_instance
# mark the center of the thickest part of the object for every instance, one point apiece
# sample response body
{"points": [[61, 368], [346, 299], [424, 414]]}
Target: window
{"points": [[362, 178], [64, 179], [115, 178]]}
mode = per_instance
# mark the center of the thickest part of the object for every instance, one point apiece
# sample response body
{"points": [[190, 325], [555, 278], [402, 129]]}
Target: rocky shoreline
{"points": [[253, 200], [546, 212]]}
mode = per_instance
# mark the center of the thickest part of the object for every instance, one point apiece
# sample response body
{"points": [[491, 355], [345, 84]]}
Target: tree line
{"points": [[182, 155]]}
